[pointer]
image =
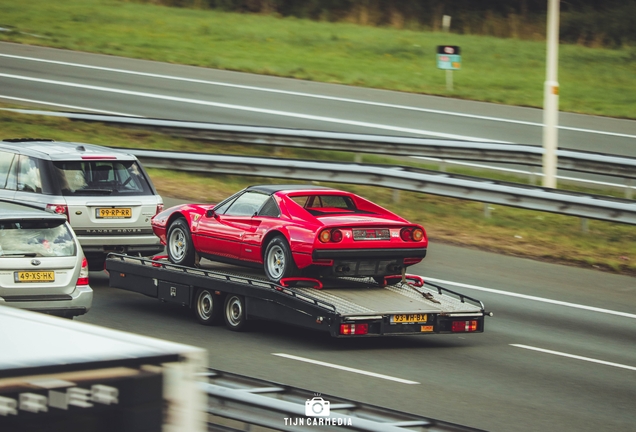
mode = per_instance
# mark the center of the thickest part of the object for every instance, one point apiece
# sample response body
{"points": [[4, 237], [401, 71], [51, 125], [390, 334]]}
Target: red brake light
{"points": [[58, 209], [336, 235], [354, 329], [405, 234], [83, 276], [464, 326]]}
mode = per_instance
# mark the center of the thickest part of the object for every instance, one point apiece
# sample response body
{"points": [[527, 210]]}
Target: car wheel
{"points": [[179, 244], [278, 261], [207, 307], [235, 313]]}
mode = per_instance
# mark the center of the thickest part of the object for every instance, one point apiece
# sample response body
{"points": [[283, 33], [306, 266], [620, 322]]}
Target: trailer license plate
{"points": [[408, 318], [34, 276], [113, 213]]}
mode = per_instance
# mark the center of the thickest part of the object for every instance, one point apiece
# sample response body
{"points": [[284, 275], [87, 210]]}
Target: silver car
{"points": [[42, 266], [105, 193]]}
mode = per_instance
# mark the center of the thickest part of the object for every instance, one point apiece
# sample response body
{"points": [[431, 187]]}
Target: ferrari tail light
{"points": [[330, 235], [354, 329], [464, 326], [83, 276], [58, 209], [412, 234]]}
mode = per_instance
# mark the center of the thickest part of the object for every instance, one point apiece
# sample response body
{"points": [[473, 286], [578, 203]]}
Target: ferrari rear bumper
{"points": [[366, 262], [338, 254]]}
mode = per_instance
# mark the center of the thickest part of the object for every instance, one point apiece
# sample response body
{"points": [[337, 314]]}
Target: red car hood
{"points": [[360, 220]]}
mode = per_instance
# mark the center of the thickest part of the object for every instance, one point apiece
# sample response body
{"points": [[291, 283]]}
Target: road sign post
{"points": [[449, 59]]}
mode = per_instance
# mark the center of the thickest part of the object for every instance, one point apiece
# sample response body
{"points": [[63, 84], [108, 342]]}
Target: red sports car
{"points": [[293, 230]]}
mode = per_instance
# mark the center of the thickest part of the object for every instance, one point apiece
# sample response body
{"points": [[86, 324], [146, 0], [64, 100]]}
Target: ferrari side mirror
{"points": [[210, 213]]}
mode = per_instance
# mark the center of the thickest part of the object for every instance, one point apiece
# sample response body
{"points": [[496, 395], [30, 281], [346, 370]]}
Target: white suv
{"points": [[105, 193], [42, 267]]}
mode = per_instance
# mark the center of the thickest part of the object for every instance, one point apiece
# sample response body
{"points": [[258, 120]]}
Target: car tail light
{"points": [[405, 234], [58, 209], [354, 329], [159, 208], [464, 326], [412, 234], [336, 235], [417, 234], [325, 236], [83, 276]]}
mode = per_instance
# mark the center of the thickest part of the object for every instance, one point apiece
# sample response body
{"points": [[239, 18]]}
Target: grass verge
{"points": [[508, 71], [550, 237]]}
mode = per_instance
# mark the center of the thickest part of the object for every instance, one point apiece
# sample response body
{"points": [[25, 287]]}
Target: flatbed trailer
{"points": [[344, 308]]}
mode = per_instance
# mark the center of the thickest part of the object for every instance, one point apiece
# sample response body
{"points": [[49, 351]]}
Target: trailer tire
{"points": [[278, 261], [208, 307], [179, 243], [234, 313]]}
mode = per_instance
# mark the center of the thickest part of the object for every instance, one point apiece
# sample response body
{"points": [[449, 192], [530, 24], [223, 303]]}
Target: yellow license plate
{"points": [[408, 318], [114, 213], [35, 276]]}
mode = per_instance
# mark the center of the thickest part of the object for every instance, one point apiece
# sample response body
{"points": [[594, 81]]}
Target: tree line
{"points": [[588, 22]]}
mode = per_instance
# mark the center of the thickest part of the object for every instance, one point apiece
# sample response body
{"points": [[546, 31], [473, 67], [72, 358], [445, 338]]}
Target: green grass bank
{"points": [[508, 71]]}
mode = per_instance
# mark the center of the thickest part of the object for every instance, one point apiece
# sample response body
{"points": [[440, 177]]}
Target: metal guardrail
{"points": [[236, 400], [589, 162], [402, 178]]}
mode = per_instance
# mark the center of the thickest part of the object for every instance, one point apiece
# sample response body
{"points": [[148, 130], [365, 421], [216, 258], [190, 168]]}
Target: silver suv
{"points": [[42, 266], [105, 193]]}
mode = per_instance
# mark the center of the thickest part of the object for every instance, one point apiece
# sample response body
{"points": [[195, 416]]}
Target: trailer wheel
{"points": [[207, 307], [278, 261], [179, 244], [235, 313]]}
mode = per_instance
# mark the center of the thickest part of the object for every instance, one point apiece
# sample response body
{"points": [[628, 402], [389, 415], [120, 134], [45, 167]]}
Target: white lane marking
{"points": [[318, 96], [529, 297], [588, 359], [345, 368], [66, 106], [252, 109]]}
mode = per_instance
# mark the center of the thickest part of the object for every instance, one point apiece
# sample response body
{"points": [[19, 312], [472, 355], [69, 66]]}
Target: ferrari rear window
{"points": [[326, 204], [35, 238]]}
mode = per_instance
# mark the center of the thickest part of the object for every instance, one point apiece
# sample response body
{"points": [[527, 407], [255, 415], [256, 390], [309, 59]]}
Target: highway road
{"points": [[558, 355]]}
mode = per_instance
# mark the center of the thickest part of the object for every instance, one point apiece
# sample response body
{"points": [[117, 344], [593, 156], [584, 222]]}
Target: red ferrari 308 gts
{"points": [[293, 230]]}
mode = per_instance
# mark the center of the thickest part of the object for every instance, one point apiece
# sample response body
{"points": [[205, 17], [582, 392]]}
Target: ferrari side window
{"points": [[247, 204], [269, 209]]}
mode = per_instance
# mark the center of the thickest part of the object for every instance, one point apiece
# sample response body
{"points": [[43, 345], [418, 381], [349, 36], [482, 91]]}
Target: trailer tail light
{"points": [[464, 326], [354, 329], [83, 276], [58, 209]]}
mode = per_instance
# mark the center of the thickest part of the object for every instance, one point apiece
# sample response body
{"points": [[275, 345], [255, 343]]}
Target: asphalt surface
{"points": [[583, 321]]}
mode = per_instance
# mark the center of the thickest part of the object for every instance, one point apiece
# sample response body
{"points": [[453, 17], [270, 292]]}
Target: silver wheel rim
{"points": [[204, 305], [276, 262], [234, 311], [177, 244]]}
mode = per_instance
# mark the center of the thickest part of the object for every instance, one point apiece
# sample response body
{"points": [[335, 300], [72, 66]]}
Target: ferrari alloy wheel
{"points": [[278, 262], [180, 248], [207, 307], [235, 313]]}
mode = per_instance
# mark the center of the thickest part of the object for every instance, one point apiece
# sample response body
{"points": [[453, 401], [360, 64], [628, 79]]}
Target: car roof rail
{"points": [[16, 140]]}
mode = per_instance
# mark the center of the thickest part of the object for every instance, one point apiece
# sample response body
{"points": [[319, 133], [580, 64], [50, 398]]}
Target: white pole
{"points": [[551, 97]]}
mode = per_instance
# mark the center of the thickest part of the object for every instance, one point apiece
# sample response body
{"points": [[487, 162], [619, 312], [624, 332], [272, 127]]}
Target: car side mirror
{"points": [[210, 213]]}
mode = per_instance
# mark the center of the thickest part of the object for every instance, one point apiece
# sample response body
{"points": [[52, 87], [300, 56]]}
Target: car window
{"points": [[247, 204], [7, 170], [321, 204], [36, 238], [270, 208], [29, 175], [102, 177]]}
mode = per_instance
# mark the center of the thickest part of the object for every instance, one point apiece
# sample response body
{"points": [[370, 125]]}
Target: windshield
{"points": [[41, 238], [101, 177]]}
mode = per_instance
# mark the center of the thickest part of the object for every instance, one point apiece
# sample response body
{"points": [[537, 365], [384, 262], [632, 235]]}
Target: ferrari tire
{"points": [[278, 261], [208, 307], [234, 313], [179, 244]]}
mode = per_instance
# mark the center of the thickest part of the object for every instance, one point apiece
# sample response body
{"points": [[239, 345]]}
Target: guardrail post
{"points": [[487, 209], [629, 190], [442, 166], [396, 196], [533, 176], [585, 228], [357, 158]]}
